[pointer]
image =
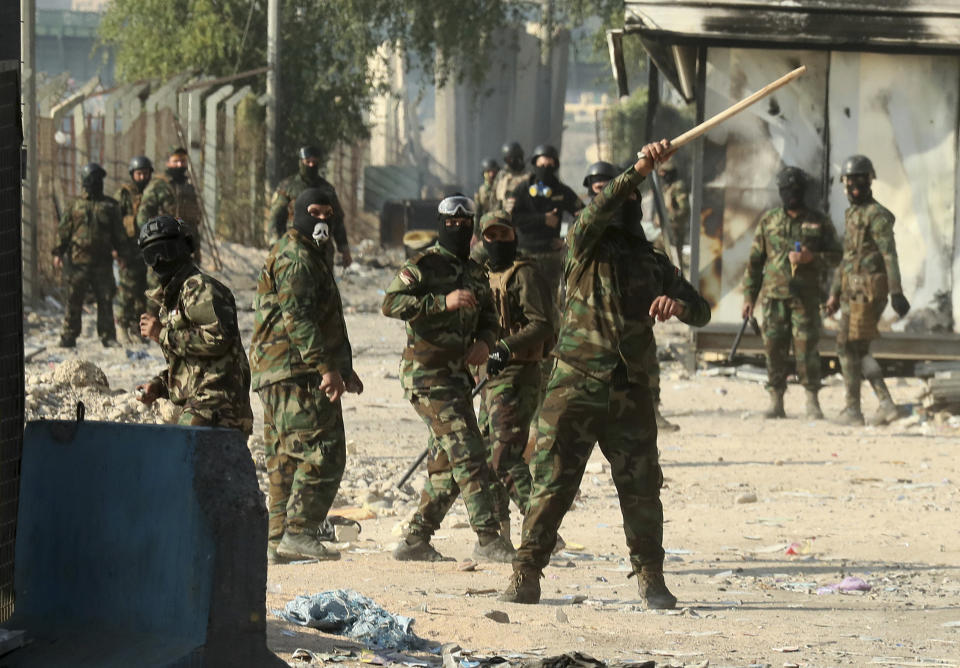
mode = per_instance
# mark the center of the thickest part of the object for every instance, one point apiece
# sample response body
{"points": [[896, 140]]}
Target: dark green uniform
{"points": [[89, 230], [435, 379], [869, 271], [280, 216], [791, 295], [299, 335], [207, 374], [598, 391], [131, 300]]}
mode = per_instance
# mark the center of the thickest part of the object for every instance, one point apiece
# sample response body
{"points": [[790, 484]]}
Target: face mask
{"points": [[313, 228], [309, 173], [177, 174], [791, 197], [142, 185], [456, 239], [502, 253], [860, 183], [321, 232], [166, 257], [93, 185], [544, 174], [631, 218], [516, 164]]}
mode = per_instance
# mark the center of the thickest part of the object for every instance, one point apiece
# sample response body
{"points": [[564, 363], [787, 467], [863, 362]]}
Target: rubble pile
{"points": [[941, 391]]}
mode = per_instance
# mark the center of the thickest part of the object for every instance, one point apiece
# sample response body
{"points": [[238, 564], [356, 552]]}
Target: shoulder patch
{"points": [[407, 277]]}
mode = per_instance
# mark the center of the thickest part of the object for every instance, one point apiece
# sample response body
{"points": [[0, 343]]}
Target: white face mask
{"points": [[321, 232]]}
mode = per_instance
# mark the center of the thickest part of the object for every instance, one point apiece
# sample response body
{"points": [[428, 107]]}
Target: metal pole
{"points": [[273, 74], [30, 206]]}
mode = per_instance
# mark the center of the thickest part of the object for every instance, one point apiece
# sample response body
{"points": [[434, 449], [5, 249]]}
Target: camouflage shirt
{"points": [[522, 303], [207, 371], [869, 248], [486, 201], [438, 339], [612, 277], [298, 327], [164, 196], [504, 185], [129, 196], [768, 265], [281, 207], [89, 230]]}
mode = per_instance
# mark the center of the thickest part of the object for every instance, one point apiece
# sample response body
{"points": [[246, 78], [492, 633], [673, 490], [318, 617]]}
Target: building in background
{"points": [[66, 41]]}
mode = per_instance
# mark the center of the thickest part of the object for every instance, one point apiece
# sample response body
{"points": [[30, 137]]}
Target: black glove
{"points": [[497, 360], [899, 304]]}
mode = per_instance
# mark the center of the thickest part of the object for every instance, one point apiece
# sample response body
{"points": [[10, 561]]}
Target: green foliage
{"points": [[327, 49], [625, 124]]}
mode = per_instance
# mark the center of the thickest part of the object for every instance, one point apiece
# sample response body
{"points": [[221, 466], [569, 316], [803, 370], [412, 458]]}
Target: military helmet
{"points": [[456, 206], [165, 229], [489, 165], [140, 162], [496, 217], [309, 152], [92, 169], [547, 151], [511, 151], [602, 169], [791, 177], [858, 164]]}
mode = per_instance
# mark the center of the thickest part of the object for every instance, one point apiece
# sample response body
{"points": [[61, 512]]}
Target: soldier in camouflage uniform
{"points": [[171, 194], [599, 174], [510, 177], [281, 212], [486, 199], [207, 375], [869, 270], [512, 394], [793, 251], [445, 299], [616, 284], [131, 300], [302, 363], [90, 230], [676, 199]]}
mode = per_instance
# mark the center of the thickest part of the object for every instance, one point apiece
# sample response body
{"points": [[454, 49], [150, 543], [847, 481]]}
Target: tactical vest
{"points": [[499, 282], [185, 202], [130, 220]]}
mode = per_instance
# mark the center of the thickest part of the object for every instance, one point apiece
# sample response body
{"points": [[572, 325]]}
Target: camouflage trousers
{"points": [[79, 280], [578, 412], [457, 463], [796, 320], [652, 366], [510, 401], [229, 419], [851, 352], [131, 301], [306, 454]]}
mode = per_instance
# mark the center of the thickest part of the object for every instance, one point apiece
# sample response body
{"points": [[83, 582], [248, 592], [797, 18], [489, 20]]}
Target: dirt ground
{"points": [[760, 516]]}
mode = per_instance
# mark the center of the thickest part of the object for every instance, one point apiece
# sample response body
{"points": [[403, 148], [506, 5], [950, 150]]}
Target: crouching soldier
{"points": [[207, 375]]}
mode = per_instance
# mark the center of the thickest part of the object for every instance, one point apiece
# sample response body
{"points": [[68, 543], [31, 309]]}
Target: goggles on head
{"points": [[164, 250], [457, 206]]}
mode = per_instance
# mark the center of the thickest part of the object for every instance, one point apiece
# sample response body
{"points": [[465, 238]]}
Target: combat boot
{"points": [[813, 406], [887, 411], [663, 424], [417, 548], [273, 557], [776, 406], [654, 590], [306, 545], [524, 586], [494, 547], [67, 342]]}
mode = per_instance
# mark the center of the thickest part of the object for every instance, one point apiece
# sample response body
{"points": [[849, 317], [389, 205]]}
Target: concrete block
{"points": [[139, 545]]}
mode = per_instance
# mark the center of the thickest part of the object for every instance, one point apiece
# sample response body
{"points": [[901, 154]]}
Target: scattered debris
{"points": [[498, 616], [848, 584]]}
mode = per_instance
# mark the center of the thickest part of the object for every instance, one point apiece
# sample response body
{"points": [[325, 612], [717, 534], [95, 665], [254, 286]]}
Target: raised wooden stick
{"points": [[714, 121]]}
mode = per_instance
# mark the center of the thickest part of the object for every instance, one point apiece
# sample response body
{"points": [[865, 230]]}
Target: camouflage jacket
{"points": [[768, 265], [298, 326], [504, 184], [163, 196], [281, 208], [529, 214], [611, 278], [676, 199], [522, 302], [869, 253], [129, 196], [207, 371], [486, 202], [437, 339], [89, 230]]}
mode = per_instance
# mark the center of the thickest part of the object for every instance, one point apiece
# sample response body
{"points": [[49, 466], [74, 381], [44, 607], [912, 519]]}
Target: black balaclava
{"points": [[142, 185], [177, 174], [668, 175], [455, 239], [546, 174], [631, 218], [515, 163], [314, 228], [308, 173], [791, 197], [502, 253], [860, 183], [92, 184]]}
